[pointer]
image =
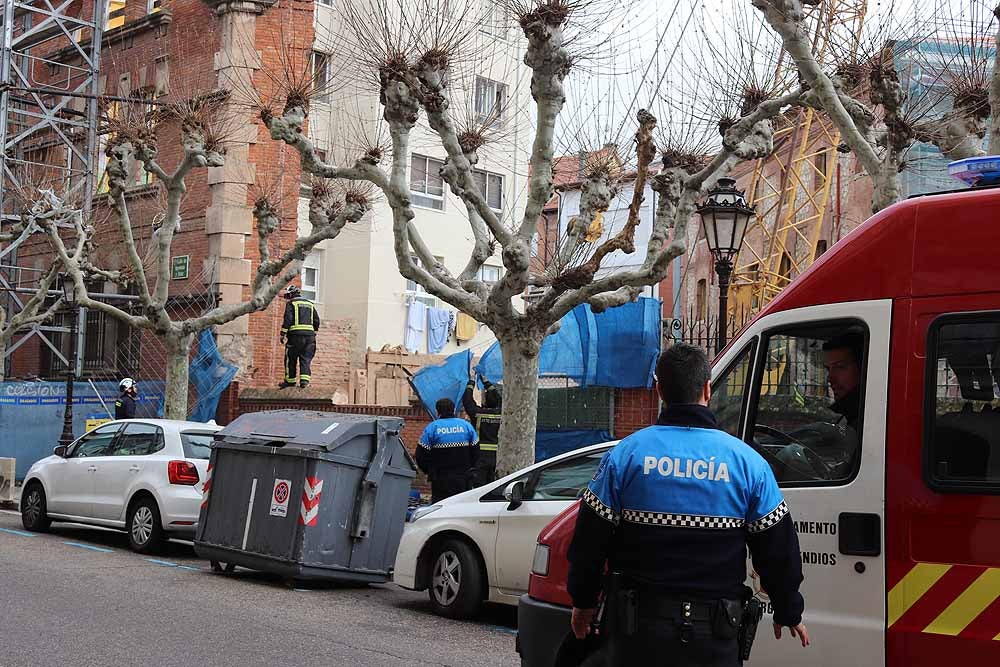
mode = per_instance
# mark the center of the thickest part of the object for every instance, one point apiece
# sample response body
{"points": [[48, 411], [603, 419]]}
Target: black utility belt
{"points": [[680, 609]]}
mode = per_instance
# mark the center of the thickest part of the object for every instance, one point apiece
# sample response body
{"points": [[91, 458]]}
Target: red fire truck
{"points": [[899, 528]]}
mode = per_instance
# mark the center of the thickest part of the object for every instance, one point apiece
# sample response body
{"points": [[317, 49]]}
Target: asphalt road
{"points": [[77, 596]]}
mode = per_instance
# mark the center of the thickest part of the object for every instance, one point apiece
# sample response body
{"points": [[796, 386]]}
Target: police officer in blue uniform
{"points": [[447, 452], [672, 510]]}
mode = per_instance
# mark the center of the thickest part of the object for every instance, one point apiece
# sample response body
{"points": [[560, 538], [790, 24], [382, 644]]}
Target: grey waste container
{"points": [[307, 495]]}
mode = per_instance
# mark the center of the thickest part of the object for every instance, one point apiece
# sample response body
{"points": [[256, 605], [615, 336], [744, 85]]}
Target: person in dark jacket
{"points": [[487, 422], [671, 511], [125, 405], [299, 327], [447, 452]]}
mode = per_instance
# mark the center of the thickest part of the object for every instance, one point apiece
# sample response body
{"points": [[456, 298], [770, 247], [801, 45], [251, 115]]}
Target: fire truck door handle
{"points": [[860, 534]]}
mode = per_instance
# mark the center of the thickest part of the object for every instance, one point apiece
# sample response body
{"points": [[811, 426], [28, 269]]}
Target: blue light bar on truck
{"points": [[975, 171]]}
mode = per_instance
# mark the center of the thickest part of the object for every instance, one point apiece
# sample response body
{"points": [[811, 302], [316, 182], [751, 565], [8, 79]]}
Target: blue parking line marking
{"points": [[188, 567], [17, 532], [166, 563], [89, 546], [506, 631]]}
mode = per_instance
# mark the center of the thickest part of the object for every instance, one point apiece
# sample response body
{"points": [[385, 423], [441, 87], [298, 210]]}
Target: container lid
{"points": [[302, 429]]}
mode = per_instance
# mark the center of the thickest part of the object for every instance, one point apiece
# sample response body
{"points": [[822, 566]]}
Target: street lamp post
{"points": [[724, 218], [69, 297]]}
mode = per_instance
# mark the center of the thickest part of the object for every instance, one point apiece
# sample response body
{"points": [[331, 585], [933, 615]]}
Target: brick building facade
{"points": [[166, 51]]}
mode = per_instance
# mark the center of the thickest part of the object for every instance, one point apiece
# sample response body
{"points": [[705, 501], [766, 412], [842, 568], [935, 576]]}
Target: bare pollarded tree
{"points": [[135, 135], [414, 62], [865, 93], [41, 208]]}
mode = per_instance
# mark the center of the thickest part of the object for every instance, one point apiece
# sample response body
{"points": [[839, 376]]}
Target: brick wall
{"points": [[634, 409], [187, 33]]}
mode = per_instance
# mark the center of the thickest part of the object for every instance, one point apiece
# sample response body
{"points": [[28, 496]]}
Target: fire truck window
{"points": [[809, 400], [963, 412], [729, 390]]}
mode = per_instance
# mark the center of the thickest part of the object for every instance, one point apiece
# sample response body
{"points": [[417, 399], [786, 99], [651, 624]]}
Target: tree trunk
{"points": [[175, 404], [520, 403]]}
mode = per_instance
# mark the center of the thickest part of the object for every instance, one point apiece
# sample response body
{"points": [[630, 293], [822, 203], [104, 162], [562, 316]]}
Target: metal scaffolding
{"points": [[792, 191], [49, 71]]}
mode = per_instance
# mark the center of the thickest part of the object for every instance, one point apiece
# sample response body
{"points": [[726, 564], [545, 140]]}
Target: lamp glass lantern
{"points": [[725, 216], [68, 288]]}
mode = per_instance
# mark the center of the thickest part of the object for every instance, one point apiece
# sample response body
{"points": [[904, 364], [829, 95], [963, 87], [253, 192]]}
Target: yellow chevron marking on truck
{"points": [[912, 587], [967, 606]]}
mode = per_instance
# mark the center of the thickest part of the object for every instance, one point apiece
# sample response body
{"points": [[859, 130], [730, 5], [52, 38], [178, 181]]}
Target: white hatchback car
{"points": [[479, 545], [140, 475]]}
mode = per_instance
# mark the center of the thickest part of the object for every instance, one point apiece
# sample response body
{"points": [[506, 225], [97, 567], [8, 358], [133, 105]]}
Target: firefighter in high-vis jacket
{"points": [[486, 419], [298, 333]]}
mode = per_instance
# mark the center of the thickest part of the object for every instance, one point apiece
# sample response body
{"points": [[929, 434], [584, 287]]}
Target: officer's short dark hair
{"points": [[445, 408], [681, 373], [855, 342]]}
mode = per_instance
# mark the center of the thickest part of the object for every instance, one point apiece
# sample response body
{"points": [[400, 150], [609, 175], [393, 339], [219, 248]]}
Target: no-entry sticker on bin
{"points": [[280, 496]]}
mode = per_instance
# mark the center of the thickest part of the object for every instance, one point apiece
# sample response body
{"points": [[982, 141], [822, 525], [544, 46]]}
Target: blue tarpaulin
{"points": [[210, 375], [616, 348], [445, 380], [31, 414]]}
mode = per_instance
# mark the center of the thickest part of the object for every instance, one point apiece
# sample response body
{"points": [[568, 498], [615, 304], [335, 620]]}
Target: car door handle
{"points": [[859, 534], [134, 469], [92, 469]]}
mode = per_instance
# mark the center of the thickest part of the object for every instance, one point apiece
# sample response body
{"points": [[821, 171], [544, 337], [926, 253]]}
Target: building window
{"points": [[494, 21], [321, 77], [490, 274], [108, 345], [821, 246], [414, 286], [426, 184], [116, 14], [491, 98], [310, 275], [821, 166], [491, 187], [962, 409], [153, 6], [701, 300]]}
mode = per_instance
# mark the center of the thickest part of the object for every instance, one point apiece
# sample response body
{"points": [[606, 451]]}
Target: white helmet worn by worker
{"points": [[126, 384]]}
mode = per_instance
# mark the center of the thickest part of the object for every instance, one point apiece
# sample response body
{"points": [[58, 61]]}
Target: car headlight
{"points": [[423, 511], [540, 563]]}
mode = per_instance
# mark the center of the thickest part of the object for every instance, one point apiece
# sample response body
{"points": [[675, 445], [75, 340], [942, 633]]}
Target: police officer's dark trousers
{"points": [[448, 483], [486, 466], [661, 634], [299, 352]]}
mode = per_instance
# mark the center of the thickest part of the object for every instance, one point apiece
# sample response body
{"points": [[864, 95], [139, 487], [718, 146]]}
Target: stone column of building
{"points": [[229, 220]]}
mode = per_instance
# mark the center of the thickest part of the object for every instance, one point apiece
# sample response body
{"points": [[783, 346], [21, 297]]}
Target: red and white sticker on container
{"points": [[310, 501], [206, 487], [279, 497]]}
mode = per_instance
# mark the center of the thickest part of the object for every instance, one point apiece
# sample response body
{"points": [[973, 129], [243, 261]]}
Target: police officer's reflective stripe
{"points": [[299, 325], [485, 442]]}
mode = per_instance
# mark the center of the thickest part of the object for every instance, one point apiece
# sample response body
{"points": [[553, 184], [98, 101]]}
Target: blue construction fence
{"points": [[31, 414]]}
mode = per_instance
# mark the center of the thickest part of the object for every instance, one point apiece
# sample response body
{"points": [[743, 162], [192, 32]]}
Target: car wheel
{"points": [[34, 514], [145, 532], [456, 581]]}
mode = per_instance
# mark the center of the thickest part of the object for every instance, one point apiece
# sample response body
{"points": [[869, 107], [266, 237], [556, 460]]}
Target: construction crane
{"points": [[792, 188]]}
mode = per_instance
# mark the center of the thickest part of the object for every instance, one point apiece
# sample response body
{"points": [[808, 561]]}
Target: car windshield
{"points": [[197, 445]]}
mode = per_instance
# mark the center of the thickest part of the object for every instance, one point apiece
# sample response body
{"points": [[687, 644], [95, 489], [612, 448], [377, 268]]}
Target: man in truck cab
{"points": [[671, 510], [837, 441]]}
